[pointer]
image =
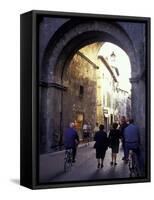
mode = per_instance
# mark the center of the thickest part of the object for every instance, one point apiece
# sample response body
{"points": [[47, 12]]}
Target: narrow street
{"points": [[85, 167]]}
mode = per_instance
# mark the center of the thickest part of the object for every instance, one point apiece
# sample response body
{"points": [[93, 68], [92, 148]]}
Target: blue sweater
{"points": [[70, 138], [132, 134]]}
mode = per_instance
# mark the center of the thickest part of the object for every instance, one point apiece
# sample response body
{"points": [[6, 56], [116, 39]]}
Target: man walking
{"points": [[71, 139], [123, 125]]}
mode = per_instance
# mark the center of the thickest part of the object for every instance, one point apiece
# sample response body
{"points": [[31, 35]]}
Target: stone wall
{"points": [[79, 74], [92, 51]]}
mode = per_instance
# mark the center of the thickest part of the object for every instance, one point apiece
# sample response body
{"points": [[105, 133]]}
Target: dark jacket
{"points": [[114, 137], [101, 140], [122, 128], [70, 138]]}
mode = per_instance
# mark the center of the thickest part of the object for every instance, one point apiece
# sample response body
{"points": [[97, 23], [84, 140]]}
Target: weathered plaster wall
{"points": [[79, 73]]}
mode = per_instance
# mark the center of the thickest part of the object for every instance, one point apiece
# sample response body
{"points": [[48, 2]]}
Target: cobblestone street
{"points": [[85, 168]]}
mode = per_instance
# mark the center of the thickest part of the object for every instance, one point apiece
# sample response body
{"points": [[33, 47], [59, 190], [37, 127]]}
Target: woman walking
{"points": [[101, 145], [114, 140]]}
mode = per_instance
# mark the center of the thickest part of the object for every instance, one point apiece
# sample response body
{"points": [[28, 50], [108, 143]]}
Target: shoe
{"points": [[111, 163], [123, 158], [115, 163], [98, 166], [102, 165]]}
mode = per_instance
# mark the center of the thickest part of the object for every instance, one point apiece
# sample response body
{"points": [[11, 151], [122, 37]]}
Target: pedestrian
{"points": [[123, 125], [71, 139], [89, 133], [101, 144], [132, 140], [86, 132], [114, 140], [96, 129]]}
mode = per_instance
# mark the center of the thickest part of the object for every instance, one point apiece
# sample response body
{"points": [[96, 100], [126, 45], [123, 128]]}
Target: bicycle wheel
{"points": [[130, 163], [136, 166], [130, 167], [68, 161], [133, 166], [66, 166]]}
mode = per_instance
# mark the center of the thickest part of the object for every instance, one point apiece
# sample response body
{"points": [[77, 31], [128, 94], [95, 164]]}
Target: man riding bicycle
{"points": [[71, 139], [132, 141]]}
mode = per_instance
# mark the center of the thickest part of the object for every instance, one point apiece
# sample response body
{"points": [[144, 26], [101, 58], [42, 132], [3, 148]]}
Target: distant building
{"points": [[116, 101], [123, 103], [109, 85]]}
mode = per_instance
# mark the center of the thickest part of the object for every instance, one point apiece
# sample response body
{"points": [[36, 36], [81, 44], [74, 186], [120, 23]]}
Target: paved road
{"points": [[85, 168]]}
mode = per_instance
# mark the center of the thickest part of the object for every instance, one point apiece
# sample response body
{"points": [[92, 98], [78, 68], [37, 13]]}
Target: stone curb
{"points": [[60, 152]]}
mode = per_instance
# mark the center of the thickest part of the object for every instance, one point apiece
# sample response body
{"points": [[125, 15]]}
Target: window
{"points": [[108, 100], [81, 91]]}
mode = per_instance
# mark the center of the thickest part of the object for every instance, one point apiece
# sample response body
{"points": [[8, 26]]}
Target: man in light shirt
{"points": [[96, 129]]}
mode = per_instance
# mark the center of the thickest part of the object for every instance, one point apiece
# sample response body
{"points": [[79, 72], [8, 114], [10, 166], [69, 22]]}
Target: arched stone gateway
{"points": [[60, 46]]}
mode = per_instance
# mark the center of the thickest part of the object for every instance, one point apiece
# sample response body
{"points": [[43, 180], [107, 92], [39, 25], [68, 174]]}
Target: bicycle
{"points": [[133, 164], [68, 160]]}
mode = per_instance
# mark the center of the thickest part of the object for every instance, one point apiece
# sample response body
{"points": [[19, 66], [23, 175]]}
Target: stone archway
{"points": [[57, 56], [80, 35]]}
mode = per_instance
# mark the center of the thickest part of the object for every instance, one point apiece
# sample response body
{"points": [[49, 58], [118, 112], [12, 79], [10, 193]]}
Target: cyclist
{"points": [[71, 139], [132, 141]]}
